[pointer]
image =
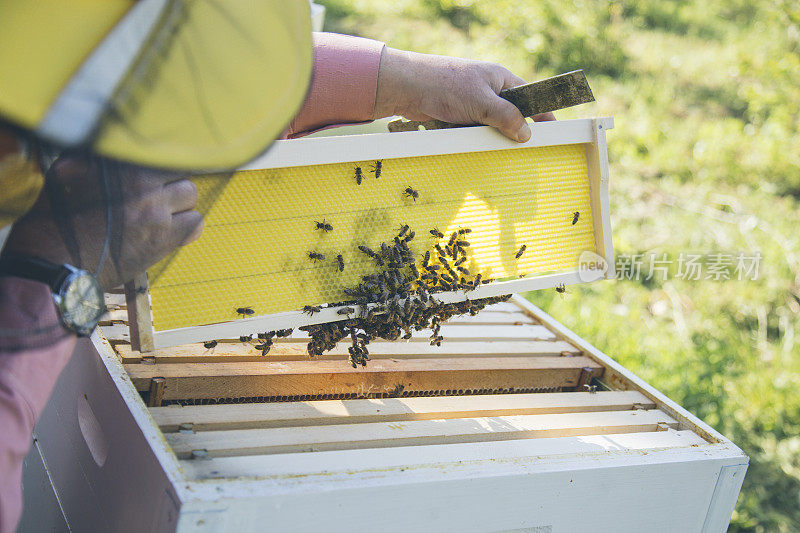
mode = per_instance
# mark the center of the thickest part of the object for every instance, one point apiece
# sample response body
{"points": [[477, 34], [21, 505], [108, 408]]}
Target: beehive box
{"points": [[497, 430]]}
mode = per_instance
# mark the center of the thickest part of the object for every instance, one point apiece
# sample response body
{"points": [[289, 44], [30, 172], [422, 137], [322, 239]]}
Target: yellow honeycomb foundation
{"points": [[260, 226]]}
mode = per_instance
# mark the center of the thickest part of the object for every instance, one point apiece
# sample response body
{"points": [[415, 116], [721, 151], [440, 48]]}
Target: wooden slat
{"points": [[453, 332], [116, 301], [315, 378], [315, 413], [493, 318], [243, 352], [140, 319], [114, 316], [402, 458], [415, 432], [504, 307], [116, 333]]}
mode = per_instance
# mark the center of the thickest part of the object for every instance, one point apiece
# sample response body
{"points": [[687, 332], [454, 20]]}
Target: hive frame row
{"points": [[160, 494]]}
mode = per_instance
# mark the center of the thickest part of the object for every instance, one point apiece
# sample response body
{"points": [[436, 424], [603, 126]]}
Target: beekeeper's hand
{"points": [[462, 91], [151, 214]]}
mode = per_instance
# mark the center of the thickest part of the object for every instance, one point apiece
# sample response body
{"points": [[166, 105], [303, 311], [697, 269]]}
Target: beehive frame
{"points": [[587, 135]]}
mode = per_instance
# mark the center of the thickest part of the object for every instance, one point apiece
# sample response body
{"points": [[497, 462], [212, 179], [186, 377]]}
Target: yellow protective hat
{"points": [[194, 85]]}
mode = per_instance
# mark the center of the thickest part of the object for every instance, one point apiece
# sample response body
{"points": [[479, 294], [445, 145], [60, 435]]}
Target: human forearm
{"points": [[461, 91]]}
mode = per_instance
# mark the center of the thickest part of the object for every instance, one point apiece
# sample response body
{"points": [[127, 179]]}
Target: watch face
{"points": [[82, 301]]}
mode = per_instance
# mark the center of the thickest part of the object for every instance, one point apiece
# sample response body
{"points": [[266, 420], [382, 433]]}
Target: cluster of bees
{"points": [[398, 299], [264, 340]]}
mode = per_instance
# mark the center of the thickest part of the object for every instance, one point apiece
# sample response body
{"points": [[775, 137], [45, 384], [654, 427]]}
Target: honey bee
{"points": [[409, 236], [521, 251], [345, 311], [561, 289], [436, 233], [359, 176], [340, 262], [575, 217], [365, 250], [264, 347], [411, 193], [245, 338], [377, 167], [309, 309], [464, 231], [324, 226], [453, 238], [403, 230], [210, 345], [460, 261], [463, 270], [426, 258], [439, 250], [245, 311], [283, 332], [315, 256]]}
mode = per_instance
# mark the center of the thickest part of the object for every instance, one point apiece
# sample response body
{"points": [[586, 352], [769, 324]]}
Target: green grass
{"points": [[705, 158]]}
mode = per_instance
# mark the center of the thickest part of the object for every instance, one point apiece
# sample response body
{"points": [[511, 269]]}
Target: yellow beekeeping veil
{"points": [[191, 85]]}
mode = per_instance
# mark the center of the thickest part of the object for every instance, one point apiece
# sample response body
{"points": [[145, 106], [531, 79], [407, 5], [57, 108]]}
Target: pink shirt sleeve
{"points": [[29, 367], [344, 84]]}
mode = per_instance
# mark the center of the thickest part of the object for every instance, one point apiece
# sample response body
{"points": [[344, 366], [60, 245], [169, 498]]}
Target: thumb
{"points": [[504, 116]]}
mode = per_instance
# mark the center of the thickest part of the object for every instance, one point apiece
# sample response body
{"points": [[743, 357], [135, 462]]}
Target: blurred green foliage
{"points": [[705, 158]]}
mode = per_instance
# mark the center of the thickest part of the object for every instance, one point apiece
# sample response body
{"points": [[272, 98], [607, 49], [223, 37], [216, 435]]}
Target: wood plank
{"points": [[114, 316], [493, 318], [245, 352], [114, 300], [415, 432], [116, 333], [327, 150], [502, 332], [316, 413], [326, 463], [140, 318], [337, 379]]}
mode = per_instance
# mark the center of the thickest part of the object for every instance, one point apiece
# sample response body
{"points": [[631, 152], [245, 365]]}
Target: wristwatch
{"points": [[77, 294]]}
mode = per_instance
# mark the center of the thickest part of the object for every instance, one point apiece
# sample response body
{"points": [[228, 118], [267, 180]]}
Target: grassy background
{"points": [[705, 158]]}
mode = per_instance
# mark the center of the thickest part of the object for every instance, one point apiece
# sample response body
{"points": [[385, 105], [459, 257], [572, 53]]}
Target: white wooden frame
{"points": [[145, 487], [325, 150]]}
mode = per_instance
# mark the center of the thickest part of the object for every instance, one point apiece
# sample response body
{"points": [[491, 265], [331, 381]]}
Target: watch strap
{"points": [[34, 268]]}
